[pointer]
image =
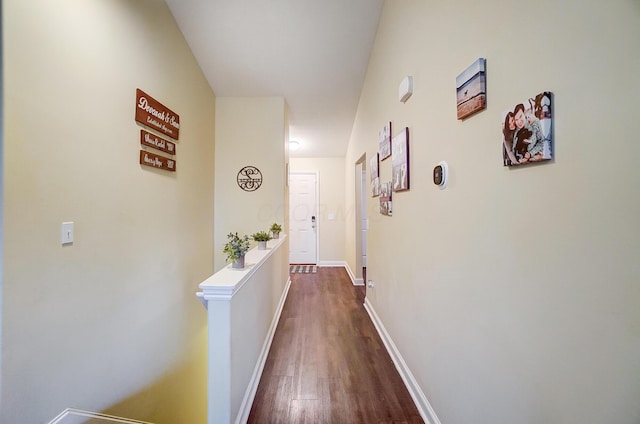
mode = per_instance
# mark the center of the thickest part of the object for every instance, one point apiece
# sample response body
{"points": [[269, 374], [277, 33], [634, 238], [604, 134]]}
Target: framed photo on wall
{"points": [[527, 131], [384, 142], [471, 89], [374, 175], [385, 199], [400, 160]]}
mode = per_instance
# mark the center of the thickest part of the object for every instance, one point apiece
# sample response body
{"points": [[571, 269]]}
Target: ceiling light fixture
{"points": [[294, 145]]}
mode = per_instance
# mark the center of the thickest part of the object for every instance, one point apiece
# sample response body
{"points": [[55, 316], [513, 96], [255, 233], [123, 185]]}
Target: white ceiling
{"points": [[314, 53]]}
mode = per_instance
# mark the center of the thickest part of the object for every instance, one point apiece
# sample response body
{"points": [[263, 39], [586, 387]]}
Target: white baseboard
{"points": [[250, 394], [355, 281], [422, 403], [333, 263], [78, 416]]}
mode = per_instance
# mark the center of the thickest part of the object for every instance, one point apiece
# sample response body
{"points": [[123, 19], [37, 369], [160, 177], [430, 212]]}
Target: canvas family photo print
{"points": [[374, 175], [527, 131]]}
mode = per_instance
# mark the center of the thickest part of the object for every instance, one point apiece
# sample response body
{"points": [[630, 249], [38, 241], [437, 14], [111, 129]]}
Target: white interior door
{"points": [[303, 218]]}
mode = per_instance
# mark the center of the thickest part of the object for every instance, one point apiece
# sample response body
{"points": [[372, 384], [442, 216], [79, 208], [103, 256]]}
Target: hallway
{"points": [[327, 363]]}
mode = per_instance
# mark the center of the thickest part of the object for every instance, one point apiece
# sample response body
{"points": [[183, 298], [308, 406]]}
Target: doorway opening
{"points": [[361, 222]]}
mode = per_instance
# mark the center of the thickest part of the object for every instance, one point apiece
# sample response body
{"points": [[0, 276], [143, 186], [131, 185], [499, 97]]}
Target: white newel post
{"points": [[243, 307], [219, 333]]}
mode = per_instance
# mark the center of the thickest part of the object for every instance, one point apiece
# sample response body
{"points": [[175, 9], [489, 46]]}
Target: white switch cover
{"points": [[66, 233], [406, 89], [331, 216]]}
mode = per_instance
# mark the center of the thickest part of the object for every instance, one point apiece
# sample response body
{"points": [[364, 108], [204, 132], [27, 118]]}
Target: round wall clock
{"points": [[249, 178]]}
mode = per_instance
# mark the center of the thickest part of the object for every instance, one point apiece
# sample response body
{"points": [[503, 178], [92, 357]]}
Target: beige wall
{"points": [[513, 294], [331, 194], [111, 322], [249, 131], [1, 192]]}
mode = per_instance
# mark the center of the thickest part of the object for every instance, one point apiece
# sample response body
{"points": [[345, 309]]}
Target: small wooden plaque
{"points": [[156, 142], [153, 114], [157, 161]]}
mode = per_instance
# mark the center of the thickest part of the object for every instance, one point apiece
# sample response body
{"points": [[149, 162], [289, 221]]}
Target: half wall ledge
{"points": [[226, 282]]}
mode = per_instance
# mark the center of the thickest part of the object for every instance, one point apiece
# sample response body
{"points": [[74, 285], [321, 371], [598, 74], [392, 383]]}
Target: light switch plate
{"points": [[66, 233]]}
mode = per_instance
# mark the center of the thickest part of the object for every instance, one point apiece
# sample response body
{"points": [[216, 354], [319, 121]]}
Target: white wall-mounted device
{"points": [[406, 89], [440, 174], [66, 233]]}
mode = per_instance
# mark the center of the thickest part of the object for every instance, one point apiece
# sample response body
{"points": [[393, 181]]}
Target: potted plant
{"points": [[275, 230], [235, 249], [262, 237]]}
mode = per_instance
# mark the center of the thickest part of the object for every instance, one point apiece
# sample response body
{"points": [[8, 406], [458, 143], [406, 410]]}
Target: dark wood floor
{"points": [[327, 363]]}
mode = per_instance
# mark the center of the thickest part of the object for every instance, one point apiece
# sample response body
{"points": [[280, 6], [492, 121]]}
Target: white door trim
{"points": [[1, 188], [360, 190]]}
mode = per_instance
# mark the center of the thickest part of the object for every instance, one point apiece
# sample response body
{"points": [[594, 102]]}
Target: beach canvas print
{"points": [[527, 131], [471, 87]]}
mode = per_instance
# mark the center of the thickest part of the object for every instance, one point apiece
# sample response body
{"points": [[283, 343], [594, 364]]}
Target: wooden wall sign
{"points": [[153, 114], [157, 161], [156, 142]]}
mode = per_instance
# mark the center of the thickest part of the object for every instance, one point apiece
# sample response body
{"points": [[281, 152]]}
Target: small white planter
{"points": [[262, 245], [238, 263]]}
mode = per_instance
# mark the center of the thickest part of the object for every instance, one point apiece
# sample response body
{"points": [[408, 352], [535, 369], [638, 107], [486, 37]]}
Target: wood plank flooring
{"points": [[327, 363]]}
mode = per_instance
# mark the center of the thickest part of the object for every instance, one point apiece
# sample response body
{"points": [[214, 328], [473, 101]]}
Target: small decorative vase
{"points": [[262, 245], [238, 263], [276, 235]]}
